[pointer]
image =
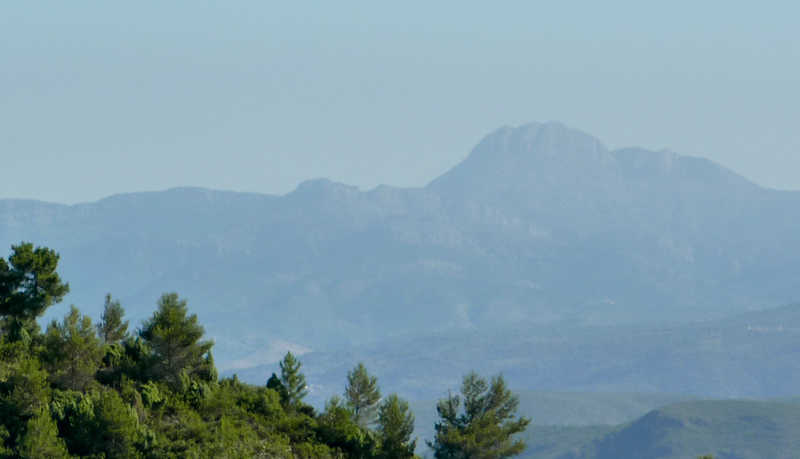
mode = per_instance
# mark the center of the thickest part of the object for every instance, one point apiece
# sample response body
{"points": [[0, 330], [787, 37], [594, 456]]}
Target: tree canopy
{"points": [[73, 352], [29, 284], [175, 339], [481, 423], [362, 395], [395, 427], [112, 328], [293, 381]]}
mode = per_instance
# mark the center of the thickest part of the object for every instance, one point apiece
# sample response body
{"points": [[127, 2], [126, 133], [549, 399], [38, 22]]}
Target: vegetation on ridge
{"points": [[97, 391]]}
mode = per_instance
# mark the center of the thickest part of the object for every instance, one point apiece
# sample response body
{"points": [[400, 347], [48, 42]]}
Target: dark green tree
{"points": [[24, 392], [486, 425], [97, 423], [112, 329], [207, 371], [338, 430], [72, 351], [395, 427], [118, 427], [41, 439], [274, 383], [362, 395], [175, 340], [293, 381], [29, 284]]}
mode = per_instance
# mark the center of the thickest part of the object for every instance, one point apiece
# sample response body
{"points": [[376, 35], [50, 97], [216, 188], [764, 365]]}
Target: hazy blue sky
{"points": [[104, 97]]}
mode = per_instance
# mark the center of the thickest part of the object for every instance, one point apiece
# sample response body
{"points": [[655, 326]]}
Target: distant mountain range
{"points": [[541, 225]]}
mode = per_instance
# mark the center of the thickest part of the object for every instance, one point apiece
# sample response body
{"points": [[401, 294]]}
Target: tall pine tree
{"points": [[29, 284], [73, 352], [175, 339], [362, 395], [395, 426], [41, 439], [112, 329], [486, 425], [293, 381]]}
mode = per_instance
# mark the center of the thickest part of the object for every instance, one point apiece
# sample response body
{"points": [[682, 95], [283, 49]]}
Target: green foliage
{"points": [[395, 427], [175, 340], [274, 383], [207, 370], [292, 380], [29, 284], [485, 426], [338, 429], [41, 439], [24, 392], [362, 395], [94, 391], [72, 351], [98, 422], [151, 395], [135, 360], [112, 329]]}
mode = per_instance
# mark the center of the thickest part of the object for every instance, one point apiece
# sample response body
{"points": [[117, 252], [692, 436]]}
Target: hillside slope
{"points": [[727, 429]]}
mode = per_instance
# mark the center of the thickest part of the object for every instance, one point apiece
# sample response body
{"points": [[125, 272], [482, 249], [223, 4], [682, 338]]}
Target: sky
{"points": [[98, 98]]}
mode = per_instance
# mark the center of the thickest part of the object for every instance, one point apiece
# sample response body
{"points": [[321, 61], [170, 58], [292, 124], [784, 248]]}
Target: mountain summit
{"points": [[540, 156], [520, 157]]}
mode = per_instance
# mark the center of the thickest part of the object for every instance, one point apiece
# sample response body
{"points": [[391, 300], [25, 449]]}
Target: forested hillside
{"points": [[101, 390]]}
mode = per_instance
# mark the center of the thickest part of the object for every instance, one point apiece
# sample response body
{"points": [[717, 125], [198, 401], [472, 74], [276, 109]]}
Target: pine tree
{"points": [[24, 392], [338, 429], [207, 371], [362, 395], [117, 425], [41, 439], [112, 329], [274, 383], [175, 340], [395, 427], [73, 352], [293, 381], [29, 284], [486, 426]]}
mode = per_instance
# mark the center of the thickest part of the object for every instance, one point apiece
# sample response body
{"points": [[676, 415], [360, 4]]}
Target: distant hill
{"points": [[562, 442], [648, 426], [750, 355], [730, 429], [560, 421], [540, 226]]}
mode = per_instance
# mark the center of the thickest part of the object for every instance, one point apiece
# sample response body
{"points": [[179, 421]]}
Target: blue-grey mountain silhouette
{"points": [[540, 224]]}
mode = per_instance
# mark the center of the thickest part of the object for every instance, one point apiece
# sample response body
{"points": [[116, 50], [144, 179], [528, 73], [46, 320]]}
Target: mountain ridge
{"points": [[549, 130], [331, 265]]}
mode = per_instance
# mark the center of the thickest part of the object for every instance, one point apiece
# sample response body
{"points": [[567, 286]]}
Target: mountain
{"points": [[730, 429], [540, 225]]}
